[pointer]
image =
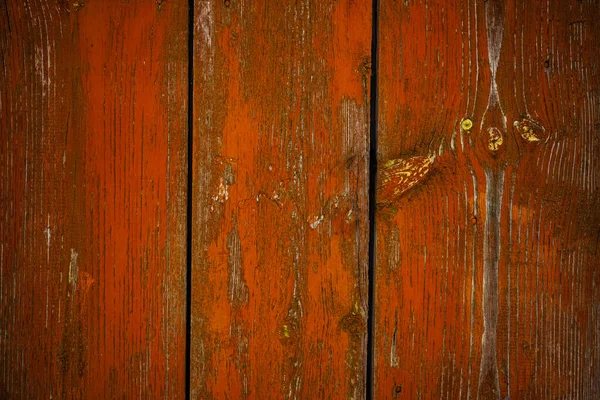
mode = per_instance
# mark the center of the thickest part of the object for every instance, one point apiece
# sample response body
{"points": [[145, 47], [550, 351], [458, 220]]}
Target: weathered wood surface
{"points": [[280, 198], [92, 209], [487, 258]]}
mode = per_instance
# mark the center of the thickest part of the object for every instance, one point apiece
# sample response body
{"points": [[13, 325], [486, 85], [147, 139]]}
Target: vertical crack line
{"points": [[189, 220], [372, 200]]}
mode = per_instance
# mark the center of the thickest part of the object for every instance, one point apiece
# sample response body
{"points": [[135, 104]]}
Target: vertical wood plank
{"points": [[488, 223], [93, 98], [280, 198]]}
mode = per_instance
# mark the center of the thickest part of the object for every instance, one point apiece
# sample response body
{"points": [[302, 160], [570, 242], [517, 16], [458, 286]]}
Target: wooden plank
{"points": [[487, 255], [280, 198], [93, 199]]}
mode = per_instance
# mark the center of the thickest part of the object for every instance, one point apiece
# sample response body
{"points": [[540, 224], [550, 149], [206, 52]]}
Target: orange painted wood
{"points": [[487, 270], [93, 134], [280, 227]]}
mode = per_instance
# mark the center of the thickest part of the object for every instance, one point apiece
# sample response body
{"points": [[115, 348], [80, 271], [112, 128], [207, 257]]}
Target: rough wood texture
{"points": [[92, 207], [487, 279], [280, 198]]}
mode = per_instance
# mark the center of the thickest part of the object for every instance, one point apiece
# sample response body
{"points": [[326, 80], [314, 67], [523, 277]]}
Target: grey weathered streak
{"points": [[489, 384]]}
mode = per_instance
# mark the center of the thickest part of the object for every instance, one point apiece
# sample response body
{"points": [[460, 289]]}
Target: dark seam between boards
{"points": [[372, 200]]}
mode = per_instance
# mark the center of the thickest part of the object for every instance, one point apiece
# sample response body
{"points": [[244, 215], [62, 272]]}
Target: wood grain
{"points": [[487, 270], [93, 99], [280, 226]]}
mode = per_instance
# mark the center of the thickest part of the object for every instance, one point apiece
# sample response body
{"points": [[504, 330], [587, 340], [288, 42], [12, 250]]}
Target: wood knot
{"points": [[466, 124], [495, 139], [531, 131], [399, 175]]}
